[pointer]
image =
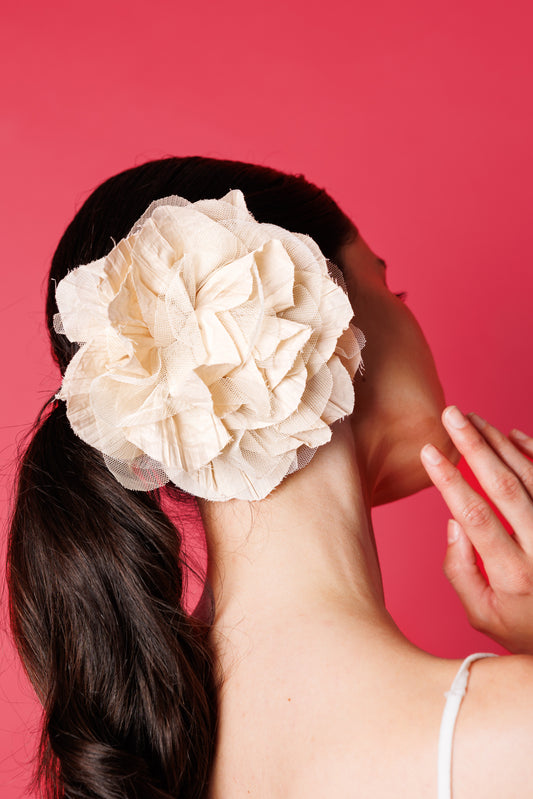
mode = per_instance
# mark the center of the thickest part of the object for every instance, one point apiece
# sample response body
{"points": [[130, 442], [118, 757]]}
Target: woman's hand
{"points": [[502, 607]]}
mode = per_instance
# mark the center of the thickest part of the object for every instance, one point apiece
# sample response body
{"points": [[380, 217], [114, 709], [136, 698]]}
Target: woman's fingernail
{"points": [[454, 417], [431, 454], [453, 531], [477, 420], [519, 435]]}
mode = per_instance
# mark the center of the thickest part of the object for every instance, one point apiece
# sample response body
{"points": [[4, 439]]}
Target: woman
{"points": [[296, 681]]}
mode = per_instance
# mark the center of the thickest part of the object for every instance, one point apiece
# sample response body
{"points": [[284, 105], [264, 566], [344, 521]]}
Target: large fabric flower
{"points": [[215, 352]]}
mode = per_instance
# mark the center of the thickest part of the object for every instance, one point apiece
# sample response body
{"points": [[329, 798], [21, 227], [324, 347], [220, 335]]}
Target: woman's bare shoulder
{"points": [[395, 720], [494, 734], [327, 717]]}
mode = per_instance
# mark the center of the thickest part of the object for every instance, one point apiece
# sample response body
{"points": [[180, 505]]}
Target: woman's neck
{"points": [[310, 544]]}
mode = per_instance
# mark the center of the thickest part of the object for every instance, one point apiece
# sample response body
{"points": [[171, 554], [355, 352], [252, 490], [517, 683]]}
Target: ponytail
{"points": [[124, 675]]}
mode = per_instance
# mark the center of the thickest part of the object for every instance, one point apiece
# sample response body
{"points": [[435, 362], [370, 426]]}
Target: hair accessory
{"points": [[216, 351]]}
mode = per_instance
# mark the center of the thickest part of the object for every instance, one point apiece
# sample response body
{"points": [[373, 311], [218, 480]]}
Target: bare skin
{"points": [[320, 693]]}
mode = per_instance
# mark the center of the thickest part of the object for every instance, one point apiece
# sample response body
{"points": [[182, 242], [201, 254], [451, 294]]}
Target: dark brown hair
{"points": [[95, 571]]}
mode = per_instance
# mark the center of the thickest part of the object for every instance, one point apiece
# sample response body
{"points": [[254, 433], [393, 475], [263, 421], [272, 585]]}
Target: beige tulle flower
{"points": [[215, 351]]}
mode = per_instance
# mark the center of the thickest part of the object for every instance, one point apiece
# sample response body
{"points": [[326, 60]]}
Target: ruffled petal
{"points": [[292, 338], [188, 440], [276, 272], [336, 314], [341, 401], [81, 307], [226, 287], [76, 390], [242, 398]]}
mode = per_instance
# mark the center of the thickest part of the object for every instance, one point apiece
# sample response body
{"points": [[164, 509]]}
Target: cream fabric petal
{"points": [[341, 401], [306, 308], [245, 386], [81, 307], [243, 324], [228, 286], [153, 256], [349, 346], [251, 235], [232, 206], [316, 253], [227, 399], [182, 318], [238, 473], [179, 365], [123, 388], [149, 287], [188, 440], [178, 299], [304, 258], [75, 389], [267, 443], [287, 394], [312, 284], [162, 329], [276, 271], [219, 345], [336, 313], [84, 293], [190, 232], [310, 410], [108, 439], [137, 474], [189, 393], [124, 312], [313, 438], [274, 331], [211, 375], [117, 264], [265, 407], [218, 479], [288, 349], [124, 404]]}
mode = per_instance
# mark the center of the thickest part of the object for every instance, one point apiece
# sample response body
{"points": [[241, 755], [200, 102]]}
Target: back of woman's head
{"points": [[124, 674]]}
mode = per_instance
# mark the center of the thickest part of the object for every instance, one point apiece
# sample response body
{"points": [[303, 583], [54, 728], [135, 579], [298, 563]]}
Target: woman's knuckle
{"points": [[522, 579], [496, 436], [452, 570], [476, 443], [507, 486], [477, 514], [526, 475], [450, 477]]}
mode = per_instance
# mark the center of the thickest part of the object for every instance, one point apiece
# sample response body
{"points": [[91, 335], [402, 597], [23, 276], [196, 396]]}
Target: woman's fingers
{"points": [[462, 570], [502, 472], [501, 605], [488, 536], [522, 441], [508, 452]]}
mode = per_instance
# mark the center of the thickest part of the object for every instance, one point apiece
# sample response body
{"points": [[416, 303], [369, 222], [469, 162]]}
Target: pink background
{"points": [[416, 116]]}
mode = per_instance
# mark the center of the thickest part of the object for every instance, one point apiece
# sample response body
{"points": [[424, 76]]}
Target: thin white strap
{"points": [[454, 698]]}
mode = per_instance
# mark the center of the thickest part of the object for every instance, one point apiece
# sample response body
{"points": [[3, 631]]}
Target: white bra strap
{"points": [[454, 698]]}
